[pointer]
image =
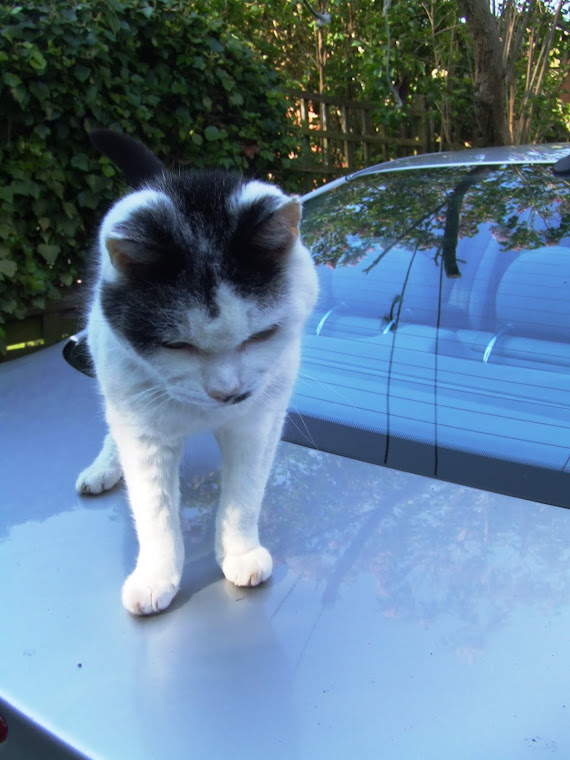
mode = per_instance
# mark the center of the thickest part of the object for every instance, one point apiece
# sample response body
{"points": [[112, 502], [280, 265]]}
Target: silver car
{"points": [[420, 602]]}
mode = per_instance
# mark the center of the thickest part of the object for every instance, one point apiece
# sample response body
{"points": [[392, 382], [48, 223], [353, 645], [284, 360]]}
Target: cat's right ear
{"points": [[129, 257], [138, 163]]}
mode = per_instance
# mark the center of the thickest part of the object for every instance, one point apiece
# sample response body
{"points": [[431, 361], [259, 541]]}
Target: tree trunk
{"points": [[490, 101]]}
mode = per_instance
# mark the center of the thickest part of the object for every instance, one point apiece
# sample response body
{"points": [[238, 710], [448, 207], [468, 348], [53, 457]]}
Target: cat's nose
{"points": [[228, 398]]}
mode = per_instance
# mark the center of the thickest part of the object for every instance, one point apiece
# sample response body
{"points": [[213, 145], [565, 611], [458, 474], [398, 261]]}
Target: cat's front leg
{"points": [[104, 473], [150, 468], [248, 448]]}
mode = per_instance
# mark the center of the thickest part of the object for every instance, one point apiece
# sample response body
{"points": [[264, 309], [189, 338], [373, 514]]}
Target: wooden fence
{"points": [[340, 136], [43, 328]]}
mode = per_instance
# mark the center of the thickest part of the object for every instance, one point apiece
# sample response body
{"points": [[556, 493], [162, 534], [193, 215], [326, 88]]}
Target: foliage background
{"points": [[203, 83], [392, 51], [170, 75]]}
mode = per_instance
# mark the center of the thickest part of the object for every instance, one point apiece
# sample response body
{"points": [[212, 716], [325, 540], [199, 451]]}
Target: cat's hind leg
{"points": [[104, 473]]}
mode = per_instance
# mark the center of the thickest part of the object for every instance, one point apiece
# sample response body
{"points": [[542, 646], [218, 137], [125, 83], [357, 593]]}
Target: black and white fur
{"points": [[203, 289]]}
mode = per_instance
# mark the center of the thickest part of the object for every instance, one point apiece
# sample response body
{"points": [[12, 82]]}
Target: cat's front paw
{"points": [[145, 593], [96, 479], [248, 569]]}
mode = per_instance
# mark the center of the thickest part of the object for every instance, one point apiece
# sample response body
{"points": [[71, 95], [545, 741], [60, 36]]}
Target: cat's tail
{"points": [[138, 162]]}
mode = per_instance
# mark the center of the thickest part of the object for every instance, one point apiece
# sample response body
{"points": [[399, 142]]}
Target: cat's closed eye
{"points": [[260, 336], [180, 345]]}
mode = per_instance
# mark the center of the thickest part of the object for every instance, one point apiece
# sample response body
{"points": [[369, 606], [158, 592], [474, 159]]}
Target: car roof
{"points": [[509, 154], [403, 613]]}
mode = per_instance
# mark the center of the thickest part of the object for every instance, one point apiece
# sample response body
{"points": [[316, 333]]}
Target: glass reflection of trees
{"points": [[525, 207]]}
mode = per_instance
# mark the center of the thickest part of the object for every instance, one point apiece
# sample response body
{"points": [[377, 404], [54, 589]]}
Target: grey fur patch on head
{"points": [[213, 227]]}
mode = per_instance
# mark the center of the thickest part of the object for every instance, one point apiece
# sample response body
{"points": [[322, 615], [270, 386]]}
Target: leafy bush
{"points": [[164, 71]]}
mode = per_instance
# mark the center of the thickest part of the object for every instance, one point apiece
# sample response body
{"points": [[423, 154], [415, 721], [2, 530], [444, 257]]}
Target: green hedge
{"points": [[166, 72]]}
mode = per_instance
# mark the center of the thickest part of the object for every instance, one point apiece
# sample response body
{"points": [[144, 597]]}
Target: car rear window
{"points": [[441, 340]]}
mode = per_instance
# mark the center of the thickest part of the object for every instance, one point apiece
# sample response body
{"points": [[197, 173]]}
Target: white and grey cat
{"points": [[195, 322]]}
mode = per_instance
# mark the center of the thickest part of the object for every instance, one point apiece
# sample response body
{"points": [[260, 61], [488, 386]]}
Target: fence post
{"points": [[366, 124], [345, 145], [323, 110]]}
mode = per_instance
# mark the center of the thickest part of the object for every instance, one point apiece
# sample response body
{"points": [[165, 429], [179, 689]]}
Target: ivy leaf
{"points": [[20, 95], [42, 131], [12, 80], [40, 90], [9, 305], [87, 199], [114, 23], [49, 251], [81, 161], [212, 133], [26, 187], [37, 61], [69, 210], [8, 267], [215, 46], [108, 170], [82, 73], [236, 99]]}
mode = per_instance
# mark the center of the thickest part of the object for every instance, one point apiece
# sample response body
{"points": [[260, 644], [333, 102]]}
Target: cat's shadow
{"points": [[197, 575]]}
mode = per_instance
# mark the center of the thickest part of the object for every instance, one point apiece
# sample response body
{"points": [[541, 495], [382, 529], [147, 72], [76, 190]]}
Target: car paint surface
{"points": [[406, 617]]}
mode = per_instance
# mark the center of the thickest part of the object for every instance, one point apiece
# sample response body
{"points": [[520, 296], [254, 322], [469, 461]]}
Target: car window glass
{"points": [[444, 314]]}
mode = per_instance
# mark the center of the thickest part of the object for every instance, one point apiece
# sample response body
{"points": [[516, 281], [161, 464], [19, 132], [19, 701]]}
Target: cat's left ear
{"points": [[280, 230]]}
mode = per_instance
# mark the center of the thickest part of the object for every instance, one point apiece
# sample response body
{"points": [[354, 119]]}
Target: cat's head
{"points": [[203, 275]]}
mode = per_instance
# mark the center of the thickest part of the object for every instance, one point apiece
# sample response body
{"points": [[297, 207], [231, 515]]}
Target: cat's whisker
{"points": [[265, 395], [153, 401], [328, 387], [306, 433], [148, 395]]}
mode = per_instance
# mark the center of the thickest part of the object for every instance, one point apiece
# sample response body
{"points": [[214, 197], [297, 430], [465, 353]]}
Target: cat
{"points": [[195, 320]]}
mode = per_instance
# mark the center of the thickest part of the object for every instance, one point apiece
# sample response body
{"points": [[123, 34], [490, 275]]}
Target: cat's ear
{"points": [[138, 163], [280, 230], [129, 257]]}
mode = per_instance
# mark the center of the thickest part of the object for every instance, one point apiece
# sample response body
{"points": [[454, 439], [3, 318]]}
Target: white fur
{"points": [[255, 190], [151, 404]]}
